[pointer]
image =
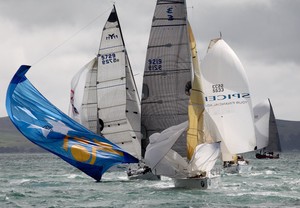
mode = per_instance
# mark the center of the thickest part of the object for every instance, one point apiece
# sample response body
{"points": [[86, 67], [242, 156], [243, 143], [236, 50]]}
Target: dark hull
{"points": [[260, 156]]}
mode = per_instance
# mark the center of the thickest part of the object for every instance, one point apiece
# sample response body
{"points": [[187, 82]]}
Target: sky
{"points": [[58, 37]]}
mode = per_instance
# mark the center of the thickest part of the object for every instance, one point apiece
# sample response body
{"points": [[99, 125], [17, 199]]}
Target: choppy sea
{"points": [[44, 180]]}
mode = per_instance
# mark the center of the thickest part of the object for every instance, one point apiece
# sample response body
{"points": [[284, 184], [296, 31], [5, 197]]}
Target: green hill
{"points": [[11, 140]]}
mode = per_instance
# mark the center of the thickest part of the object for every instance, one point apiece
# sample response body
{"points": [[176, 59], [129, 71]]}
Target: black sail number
{"points": [[155, 64], [218, 88]]}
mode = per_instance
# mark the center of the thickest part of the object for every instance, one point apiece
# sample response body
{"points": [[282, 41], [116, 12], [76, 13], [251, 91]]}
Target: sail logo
{"points": [[227, 97], [86, 151], [170, 14], [112, 36]]}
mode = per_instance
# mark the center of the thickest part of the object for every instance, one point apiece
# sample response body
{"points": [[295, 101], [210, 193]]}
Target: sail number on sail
{"points": [[154, 64], [218, 88], [109, 58]]}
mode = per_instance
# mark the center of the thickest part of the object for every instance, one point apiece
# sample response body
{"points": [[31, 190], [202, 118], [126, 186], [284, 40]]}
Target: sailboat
{"points": [[104, 96], [171, 97], [267, 135], [229, 103], [48, 127]]}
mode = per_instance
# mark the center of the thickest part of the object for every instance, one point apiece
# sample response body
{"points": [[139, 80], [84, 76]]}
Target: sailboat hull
{"points": [[195, 183], [260, 156], [147, 176]]}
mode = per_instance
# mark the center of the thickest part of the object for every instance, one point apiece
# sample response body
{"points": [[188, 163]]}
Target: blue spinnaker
{"points": [[48, 127]]}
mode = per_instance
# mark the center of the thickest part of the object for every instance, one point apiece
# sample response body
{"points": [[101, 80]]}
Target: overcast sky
{"points": [[58, 37]]}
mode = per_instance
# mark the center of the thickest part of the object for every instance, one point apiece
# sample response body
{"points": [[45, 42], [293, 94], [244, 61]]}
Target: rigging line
{"points": [[71, 37]]}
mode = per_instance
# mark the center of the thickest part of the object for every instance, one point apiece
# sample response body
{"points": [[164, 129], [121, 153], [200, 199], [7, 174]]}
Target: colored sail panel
{"points": [[195, 133], [227, 97], [46, 126], [167, 69], [110, 104]]}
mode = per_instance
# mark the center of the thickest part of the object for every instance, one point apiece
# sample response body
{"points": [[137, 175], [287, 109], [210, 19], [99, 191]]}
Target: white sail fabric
{"points": [[160, 145], [77, 93], [228, 98], [261, 119], [165, 161], [110, 103], [204, 158], [167, 69]]}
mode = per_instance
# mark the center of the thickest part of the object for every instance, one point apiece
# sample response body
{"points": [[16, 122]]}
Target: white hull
{"points": [[197, 183]]}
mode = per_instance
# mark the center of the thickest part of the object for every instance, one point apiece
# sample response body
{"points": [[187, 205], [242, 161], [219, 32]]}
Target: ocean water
{"points": [[44, 180]]}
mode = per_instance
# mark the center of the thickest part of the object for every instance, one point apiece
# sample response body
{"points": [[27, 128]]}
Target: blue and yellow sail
{"points": [[48, 127]]}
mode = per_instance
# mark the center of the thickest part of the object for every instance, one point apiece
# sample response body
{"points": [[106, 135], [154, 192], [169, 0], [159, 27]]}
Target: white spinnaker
{"points": [[161, 158], [204, 158], [165, 161], [228, 98], [261, 119]]}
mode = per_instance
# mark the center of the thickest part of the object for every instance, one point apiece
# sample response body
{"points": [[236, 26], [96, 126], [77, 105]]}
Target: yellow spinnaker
{"points": [[195, 133]]}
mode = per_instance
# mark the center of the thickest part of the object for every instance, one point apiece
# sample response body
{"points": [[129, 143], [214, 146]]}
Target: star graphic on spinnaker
{"points": [[57, 126]]}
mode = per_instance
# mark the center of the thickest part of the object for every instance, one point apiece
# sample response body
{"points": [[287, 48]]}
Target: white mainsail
{"points": [[104, 95], [228, 99]]}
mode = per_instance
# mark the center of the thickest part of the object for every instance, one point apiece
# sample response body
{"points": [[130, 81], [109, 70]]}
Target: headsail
{"points": [[261, 118], [266, 128], [228, 98], [48, 127], [108, 101], [274, 141], [167, 69]]}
